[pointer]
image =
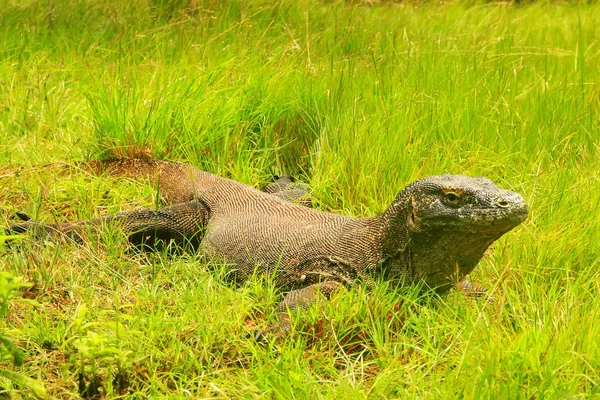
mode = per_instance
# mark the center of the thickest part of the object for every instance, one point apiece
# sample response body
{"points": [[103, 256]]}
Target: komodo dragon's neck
{"points": [[438, 257]]}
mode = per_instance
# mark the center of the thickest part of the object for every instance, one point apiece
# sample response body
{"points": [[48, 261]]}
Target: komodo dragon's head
{"points": [[449, 221]]}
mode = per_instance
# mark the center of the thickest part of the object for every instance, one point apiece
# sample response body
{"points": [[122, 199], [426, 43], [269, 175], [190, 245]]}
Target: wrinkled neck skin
{"points": [[438, 256]]}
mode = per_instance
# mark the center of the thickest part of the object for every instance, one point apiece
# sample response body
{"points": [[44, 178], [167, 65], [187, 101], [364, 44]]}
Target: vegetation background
{"points": [[357, 98]]}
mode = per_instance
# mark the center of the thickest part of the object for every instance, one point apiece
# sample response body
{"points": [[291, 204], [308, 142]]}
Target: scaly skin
{"points": [[288, 189], [435, 231]]}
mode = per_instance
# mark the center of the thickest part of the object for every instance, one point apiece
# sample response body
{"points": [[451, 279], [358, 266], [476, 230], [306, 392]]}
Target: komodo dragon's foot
{"points": [[287, 188], [274, 332], [473, 289], [299, 299]]}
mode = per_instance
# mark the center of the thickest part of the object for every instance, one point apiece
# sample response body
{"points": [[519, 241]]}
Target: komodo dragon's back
{"points": [[435, 231], [177, 182]]}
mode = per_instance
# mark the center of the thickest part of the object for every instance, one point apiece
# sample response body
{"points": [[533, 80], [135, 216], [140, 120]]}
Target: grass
{"points": [[358, 101]]}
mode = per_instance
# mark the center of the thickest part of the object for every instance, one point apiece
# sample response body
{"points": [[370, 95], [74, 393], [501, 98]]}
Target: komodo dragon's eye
{"points": [[452, 197]]}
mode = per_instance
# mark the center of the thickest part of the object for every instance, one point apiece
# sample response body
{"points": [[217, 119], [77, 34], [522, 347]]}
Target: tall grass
{"points": [[357, 100]]}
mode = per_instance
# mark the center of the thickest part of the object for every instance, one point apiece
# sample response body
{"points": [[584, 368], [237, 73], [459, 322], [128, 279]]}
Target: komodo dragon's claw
{"points": [[473, 289], [260, 337], [277, 330]]}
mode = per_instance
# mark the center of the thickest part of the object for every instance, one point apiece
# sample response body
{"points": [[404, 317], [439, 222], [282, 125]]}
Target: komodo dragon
{"points": [[435, 231]]}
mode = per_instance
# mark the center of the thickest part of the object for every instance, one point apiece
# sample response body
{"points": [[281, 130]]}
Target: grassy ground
{"points": [[358, 101]]}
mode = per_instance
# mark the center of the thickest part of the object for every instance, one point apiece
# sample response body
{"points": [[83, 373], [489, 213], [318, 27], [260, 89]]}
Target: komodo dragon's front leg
{"points": [[297, 299], [182, 224]]}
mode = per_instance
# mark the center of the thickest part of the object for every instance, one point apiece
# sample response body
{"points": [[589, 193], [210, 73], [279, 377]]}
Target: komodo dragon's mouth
{"points": [[482, 219]]}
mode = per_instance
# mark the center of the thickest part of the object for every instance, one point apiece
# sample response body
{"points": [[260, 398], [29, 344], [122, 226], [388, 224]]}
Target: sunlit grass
{"points": [[358, 101]]}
